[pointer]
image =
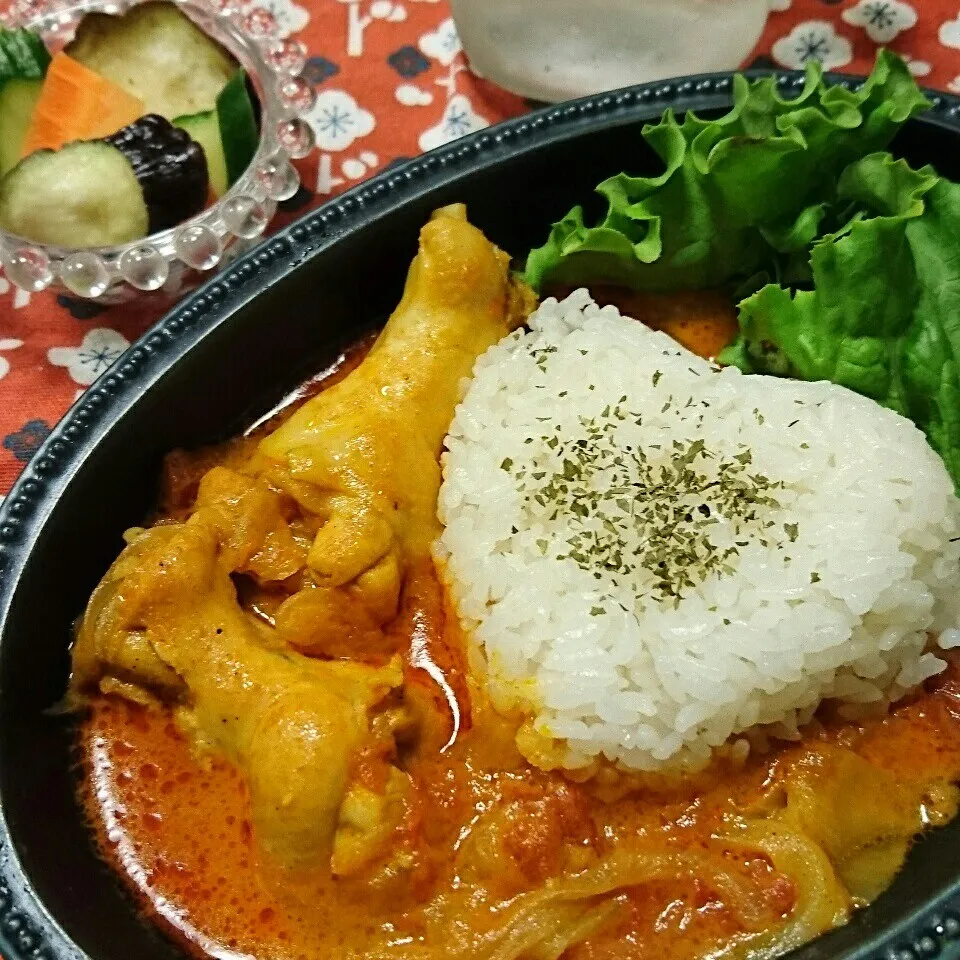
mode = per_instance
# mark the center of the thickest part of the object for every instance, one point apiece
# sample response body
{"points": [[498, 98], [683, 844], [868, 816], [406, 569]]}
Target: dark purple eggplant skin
{"points": [[171, 168]]}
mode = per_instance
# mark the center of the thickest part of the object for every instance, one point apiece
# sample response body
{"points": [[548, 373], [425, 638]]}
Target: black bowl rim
{"points": [[28, 931]]}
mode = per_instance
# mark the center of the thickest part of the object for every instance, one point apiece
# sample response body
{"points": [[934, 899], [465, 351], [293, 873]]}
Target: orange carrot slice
{"points": [[77, 104]]}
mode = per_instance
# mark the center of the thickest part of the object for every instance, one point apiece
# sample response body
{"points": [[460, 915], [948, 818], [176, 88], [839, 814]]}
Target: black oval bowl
{"points": [[225, 356]]}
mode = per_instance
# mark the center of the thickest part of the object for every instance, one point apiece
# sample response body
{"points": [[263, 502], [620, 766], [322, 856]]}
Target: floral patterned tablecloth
{"points": [[391, 81]]}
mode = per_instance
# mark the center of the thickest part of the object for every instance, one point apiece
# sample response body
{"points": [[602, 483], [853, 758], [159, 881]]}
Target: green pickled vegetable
{"points": [[238, 126], [23, 64]]}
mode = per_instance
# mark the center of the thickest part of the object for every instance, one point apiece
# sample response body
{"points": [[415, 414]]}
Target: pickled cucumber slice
{"points": [[228, 134], [84, 195], [23, 63], [22, 54], [18, 99], [204, 129], [238, 128]]}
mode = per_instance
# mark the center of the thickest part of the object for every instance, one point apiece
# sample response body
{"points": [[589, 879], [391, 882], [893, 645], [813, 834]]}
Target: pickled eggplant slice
{"points": [[84, 195], [158, 54], [170, 167]]}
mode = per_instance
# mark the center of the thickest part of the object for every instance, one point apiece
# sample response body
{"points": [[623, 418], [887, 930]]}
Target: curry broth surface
{"points": [[177, 826]]}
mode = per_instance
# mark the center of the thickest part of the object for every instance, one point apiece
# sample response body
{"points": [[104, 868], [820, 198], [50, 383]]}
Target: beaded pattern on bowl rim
{"points": [[25, 931]]}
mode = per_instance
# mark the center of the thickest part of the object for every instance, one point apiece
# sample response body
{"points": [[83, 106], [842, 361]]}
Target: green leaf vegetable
{"points": [[883, 314], [865, 251], [735, 191]]}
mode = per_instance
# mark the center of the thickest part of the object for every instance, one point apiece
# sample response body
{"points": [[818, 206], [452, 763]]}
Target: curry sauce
{"points": [[487, 831], [179, 831]]}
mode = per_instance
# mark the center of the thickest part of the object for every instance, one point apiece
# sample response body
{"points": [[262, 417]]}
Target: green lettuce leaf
{"points": [[883, 317], [736, 192]]}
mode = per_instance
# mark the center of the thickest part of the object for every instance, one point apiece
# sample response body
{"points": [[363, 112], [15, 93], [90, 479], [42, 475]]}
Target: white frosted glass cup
{"points": [[556, 49]]}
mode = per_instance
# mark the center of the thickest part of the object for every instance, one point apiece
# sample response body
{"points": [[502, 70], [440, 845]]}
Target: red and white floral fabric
{"points": [[391, 81], [844, 35]]}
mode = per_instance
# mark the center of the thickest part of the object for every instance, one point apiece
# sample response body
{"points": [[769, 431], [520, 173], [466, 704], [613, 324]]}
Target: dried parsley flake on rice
{"points": [[654, 556]]}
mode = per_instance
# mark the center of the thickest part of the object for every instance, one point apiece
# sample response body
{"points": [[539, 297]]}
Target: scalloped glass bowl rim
{"points": [[272, 112]]}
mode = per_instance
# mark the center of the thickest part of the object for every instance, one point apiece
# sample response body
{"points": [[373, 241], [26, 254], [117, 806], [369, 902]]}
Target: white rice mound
{"points": [[857, 586]]}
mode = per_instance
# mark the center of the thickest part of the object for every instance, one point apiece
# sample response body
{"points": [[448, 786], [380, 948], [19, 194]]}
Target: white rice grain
{"points": [[860, 566]]}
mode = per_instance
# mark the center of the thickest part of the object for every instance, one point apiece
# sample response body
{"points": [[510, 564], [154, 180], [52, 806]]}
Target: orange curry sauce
{"points": [[177, 826]]}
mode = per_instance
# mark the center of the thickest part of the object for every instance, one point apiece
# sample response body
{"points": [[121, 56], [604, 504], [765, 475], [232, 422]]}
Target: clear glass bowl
{"points": [[176, 259]]}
